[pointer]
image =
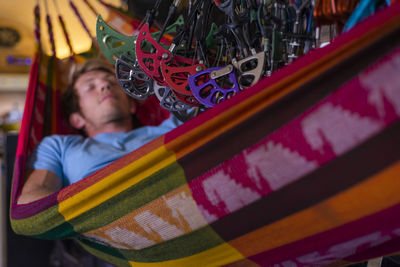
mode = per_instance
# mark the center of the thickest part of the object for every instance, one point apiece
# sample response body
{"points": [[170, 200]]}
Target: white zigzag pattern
{"points": [[129, 238], [384, 81], [277, 165], [339, 127], [183, 207], [221, 188], [151, 223]]}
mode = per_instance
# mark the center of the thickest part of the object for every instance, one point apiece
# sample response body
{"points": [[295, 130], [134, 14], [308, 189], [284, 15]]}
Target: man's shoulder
{"points": [[58, 139], [64, 137]]}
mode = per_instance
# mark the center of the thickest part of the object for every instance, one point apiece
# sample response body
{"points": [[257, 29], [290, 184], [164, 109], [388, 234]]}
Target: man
{"points": [[96, 105]]}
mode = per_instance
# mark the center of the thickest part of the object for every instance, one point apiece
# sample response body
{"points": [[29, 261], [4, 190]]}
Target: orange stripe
{"points": [[373, 195], [165, 209]]}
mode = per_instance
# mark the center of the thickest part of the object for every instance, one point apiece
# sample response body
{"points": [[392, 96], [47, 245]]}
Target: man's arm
{"points": [[39, 184]]}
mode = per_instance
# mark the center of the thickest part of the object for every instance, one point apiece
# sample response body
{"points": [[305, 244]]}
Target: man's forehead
{"points": [[93, 74]]}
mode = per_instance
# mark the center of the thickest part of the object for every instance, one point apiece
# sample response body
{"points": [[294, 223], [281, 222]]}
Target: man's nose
{"points": [[105, 86]]}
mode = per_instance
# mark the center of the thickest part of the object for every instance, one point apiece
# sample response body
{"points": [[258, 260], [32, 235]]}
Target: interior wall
{"points": [[9, 100]]}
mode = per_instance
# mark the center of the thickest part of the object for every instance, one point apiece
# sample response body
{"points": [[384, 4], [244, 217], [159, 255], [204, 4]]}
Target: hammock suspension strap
{"points": [[76, 11], [64, 29], [50, 30]]}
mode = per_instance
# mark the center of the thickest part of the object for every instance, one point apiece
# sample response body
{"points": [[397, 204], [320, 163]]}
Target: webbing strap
{"points": [[76, 11], [90, 6], [50, 29], [64, 29], [51, 35], [37, 26]]}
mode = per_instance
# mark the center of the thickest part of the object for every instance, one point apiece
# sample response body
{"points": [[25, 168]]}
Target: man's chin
{"points": [[116, 114]]}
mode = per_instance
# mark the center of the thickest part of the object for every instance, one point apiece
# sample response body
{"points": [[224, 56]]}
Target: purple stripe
{"points": [[24, 211], [27, 210]]}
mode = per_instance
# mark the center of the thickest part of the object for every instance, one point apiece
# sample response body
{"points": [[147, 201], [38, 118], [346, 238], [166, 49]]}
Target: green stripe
{"points": [[62, 231], [151, 188], [43, 225], [184, 246], [108, 254]]}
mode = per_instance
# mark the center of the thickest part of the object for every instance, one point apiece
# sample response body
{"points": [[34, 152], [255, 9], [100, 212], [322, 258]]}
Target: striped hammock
{"points": [[301, 169]]}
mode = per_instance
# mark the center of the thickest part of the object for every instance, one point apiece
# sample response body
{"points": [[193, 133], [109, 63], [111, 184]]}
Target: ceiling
{"points": [[19, 15]]}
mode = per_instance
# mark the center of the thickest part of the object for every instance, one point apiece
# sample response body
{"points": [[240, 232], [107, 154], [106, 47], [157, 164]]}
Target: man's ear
{"points": [[76, 120]]}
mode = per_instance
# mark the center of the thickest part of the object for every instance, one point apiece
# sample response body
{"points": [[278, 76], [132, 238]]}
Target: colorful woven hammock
{"points": [[301, 169]]}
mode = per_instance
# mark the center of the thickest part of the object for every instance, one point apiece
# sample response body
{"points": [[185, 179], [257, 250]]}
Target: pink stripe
{"points": [[36, 131], [339, 243], [24, 136], [332, 127], [29, 104], [388, 248]]}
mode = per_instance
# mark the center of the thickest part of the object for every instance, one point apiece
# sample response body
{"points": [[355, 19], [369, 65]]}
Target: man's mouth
{"points": [[105, 97]]}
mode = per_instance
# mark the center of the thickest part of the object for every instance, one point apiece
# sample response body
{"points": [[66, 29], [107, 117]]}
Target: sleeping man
{"points": [[95, 104]]}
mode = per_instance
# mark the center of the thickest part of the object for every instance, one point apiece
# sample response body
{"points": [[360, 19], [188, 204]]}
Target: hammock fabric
{"points": [[300, 169]]}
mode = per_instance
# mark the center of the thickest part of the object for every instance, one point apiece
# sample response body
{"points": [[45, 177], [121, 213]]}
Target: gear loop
{"points": [[209, 90], [132, 79], [168, 99]]}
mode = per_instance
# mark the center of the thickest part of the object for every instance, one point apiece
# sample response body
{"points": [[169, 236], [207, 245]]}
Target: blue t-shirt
{"points": [[73, 157]]}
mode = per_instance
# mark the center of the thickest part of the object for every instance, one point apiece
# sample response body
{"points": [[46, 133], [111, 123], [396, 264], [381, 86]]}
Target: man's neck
{"points": [[111, 127]]}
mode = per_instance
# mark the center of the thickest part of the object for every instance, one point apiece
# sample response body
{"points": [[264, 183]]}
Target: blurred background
{"points": [[17, 49], [18, 45]]}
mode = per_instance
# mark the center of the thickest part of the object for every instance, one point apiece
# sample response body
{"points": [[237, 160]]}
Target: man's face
{"points": [[102, 100]]}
